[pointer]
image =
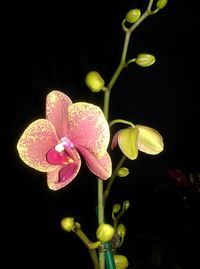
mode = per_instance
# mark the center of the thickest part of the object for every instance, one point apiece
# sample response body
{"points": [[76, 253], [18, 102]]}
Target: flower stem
{"points": [[101, 218], [111, 180], [121, 121], [123, 63], [87, 242], [101, 195]]}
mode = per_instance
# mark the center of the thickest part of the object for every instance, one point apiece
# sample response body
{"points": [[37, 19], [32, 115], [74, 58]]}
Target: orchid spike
{"points": [[138, 138], [53, 144]]}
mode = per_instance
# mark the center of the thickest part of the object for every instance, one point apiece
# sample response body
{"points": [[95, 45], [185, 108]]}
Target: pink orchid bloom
{"points": [[53, 144]]}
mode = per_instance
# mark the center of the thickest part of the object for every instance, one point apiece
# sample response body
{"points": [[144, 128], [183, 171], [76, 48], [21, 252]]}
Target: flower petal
{"points": [[56, 111], [37, 139], [115, 140], [102, 167], [62, 175], [149, 140], [57, 158], [127, 140], [88, 127]]}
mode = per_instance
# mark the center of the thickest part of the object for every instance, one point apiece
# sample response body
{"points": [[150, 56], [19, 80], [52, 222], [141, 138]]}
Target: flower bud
{"points": [[116, 208], [161, 4], [133, 15], [123, 172], [105, 232], [94, 81], [68, 224], [121, 230], [126, 205], [145, 60], [121, 262]]}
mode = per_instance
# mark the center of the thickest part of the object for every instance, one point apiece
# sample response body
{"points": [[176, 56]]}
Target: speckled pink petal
{"points": [[63, 175], [88, 127], [37, 139], [56, 111], [102, 167]]}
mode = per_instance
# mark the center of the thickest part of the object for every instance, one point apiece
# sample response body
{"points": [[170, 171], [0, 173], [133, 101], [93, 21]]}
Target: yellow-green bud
{"points": [[116, 208], [94, 81], [68, 224], [121, 230], [161, 4], [105, 232], [145, 60], [133, 15], [121, 262], [126, 204], [123, 172]]}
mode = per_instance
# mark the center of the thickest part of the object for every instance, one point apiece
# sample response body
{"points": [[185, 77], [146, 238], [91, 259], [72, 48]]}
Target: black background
{"points": [[53, 46]]}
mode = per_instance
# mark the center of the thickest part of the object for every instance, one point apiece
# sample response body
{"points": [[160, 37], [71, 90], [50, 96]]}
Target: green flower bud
{"points": [[105, 232], [123, 172], [145, 60], [116, 208], [121, 230], [68, 224], [94, 81], [121, 262], [126, 205], [133, 15], [161, 4]]}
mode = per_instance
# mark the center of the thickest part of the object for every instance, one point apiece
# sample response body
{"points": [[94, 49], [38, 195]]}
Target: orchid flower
{"points": [[53, 144], [138, 138]]}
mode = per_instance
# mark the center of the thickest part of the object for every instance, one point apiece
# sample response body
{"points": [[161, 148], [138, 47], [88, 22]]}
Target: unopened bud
{"points": [[94, 81], [123, 172], [126, 205], [68, 224], [133, 15], [161, 4], [116, 208], [145, 60], [121, 262], [121, 230], [105, 232]]}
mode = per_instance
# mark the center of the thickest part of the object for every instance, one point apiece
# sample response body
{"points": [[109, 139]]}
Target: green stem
{"points": [[123, 63], [101, 196], [111, 180], [87, 242], [101, 218], [121, 121]]}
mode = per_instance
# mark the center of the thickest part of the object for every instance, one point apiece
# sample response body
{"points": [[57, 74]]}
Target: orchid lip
{"points": [[59, 155]]}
